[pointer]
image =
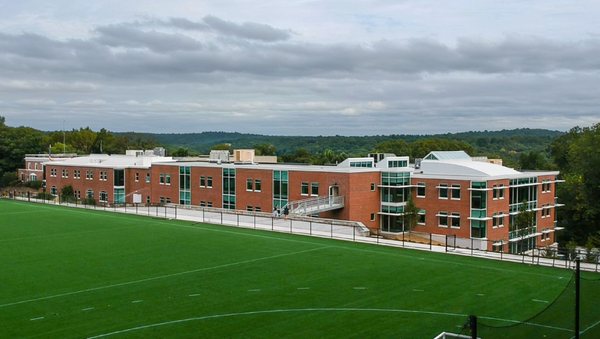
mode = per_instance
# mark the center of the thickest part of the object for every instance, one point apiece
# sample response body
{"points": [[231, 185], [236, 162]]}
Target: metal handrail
{"points": [[304, 206]]}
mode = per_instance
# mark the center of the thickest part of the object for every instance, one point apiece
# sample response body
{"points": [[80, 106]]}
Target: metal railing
{"points": [[347, 230], [315, 205]]}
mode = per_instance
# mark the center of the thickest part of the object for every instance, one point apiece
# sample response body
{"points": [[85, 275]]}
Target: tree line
{"points": [[576, 154]]}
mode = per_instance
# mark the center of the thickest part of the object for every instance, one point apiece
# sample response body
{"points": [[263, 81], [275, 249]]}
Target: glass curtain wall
{"points": [[229, 188], [185, 193], [280, 189]]}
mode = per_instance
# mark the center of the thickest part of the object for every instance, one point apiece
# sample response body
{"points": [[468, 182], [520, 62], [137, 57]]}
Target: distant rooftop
{"points": [[447, 155]]}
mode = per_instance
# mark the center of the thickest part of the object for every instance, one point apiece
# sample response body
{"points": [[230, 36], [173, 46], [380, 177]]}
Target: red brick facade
{"points": [[446, 203]]}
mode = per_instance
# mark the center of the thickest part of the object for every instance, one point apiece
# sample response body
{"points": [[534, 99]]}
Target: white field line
{"points": [[162, 276], [38, 318], [215, 316], [540, 301], [526, 323], [588, 328], [87, 308]]}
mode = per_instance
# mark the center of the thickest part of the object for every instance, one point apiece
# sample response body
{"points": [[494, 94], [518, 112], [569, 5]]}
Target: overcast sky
{"points": [[306, 67]]}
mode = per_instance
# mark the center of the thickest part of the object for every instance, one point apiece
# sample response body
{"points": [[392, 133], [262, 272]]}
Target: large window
{"points": [[119, 177], [229, 188], [280, 188], [185, 185]]}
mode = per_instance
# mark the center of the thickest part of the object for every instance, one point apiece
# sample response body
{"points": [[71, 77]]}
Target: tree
{"points": [[181, 152], [264, 149], [533, 160], [222, 147], [578, 158], [411, 215], [67, 193], [398, 147]]}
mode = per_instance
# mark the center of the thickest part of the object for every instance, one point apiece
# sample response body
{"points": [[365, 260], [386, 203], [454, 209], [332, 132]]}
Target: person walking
{"points": [[286, 211]]}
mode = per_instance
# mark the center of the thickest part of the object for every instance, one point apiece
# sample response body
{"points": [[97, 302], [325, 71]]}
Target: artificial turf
{"points": [[80, 273]]}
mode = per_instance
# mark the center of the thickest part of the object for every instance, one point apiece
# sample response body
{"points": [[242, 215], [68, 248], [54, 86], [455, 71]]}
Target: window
{"points": [[167, 179], [206, 182], [455, 220], [53, 172], [249, 208], [89, 175], [103, 196], [361, 164], [421, 217], [304, 188], [443, 191], [76, 174], [137, 177], [420, 190], [147, 178], [498, 219], [249, 184], [314, 188], [498, 192], [456, 192], [257, 187], [89, 194], [148, 199], [397, 163], [373, 186], [257, 209], [161, 179], [546, 186], [103, 176], [65, 173], [443, 219], [372, 216], [53, 190]]}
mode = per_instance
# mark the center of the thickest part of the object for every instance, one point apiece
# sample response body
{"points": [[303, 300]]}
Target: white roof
{"points": [[465, 168], [447, 155], [112, 161]]}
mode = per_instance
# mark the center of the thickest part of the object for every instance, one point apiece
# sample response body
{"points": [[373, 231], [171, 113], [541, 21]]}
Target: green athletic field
{"points": [[79, 273]]}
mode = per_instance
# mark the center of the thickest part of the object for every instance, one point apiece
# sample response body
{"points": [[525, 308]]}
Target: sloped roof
{"points": [[447, 155]]}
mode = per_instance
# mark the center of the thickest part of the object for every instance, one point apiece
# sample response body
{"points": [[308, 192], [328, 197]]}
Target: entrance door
{"points": [[334, 191]]}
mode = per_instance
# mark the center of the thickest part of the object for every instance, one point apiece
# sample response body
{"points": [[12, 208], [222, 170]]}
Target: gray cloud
{"points": [[180, 75], [248, 30]]}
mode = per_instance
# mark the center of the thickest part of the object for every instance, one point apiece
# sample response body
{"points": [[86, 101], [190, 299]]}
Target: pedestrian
{"points": [[286, 211], [275, 214]]}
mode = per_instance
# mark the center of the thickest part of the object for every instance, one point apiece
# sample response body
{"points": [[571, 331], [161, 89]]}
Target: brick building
{"points": [[454, 193]]}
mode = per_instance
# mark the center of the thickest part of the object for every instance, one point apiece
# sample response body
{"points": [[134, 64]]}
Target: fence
{"points": [[345, 230]]}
